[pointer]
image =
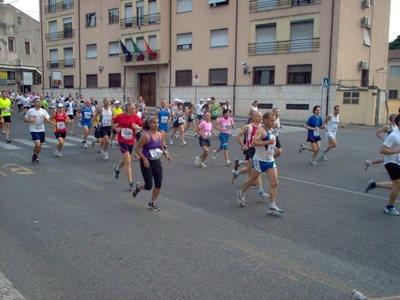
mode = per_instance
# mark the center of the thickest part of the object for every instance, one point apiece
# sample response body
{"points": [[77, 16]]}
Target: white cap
{"points": [[201, 99], [117, 102], [181, 101], [176, 100], [208, 99]]}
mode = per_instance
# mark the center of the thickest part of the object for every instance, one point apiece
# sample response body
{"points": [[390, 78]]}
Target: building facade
{"points": [[291, 54], [20, 50]]}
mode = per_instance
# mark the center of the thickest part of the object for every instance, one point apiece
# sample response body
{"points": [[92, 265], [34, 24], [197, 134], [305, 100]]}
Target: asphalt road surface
{"points": [[69, 230]]}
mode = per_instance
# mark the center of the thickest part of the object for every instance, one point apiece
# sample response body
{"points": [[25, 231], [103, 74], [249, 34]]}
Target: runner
{"points": [[204, 130], [150, 148], [6, 108], [179, 124], [215, 110], [96, 128], [224, 125], [59, 120], [69, 110], [199, 111], [86, 114], [106, 115], [277, 127], [26, 103], [263, 161], [331, 123], [19, 103], [36, 117], [313, 125], [116, 110], [163, 115], [125, 125], [190, 118], [142, 110]]}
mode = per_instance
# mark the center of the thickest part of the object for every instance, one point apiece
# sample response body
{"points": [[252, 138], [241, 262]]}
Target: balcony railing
{"points": [[353, 83], [60, 35], [58, 6], [140, 21], [58, 64], [140, 57], [264, 5], [280, 47]]}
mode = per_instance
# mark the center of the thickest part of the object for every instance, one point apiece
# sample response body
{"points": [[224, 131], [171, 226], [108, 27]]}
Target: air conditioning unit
{"points": [[362, 65], [366, 3], [366, 22]]}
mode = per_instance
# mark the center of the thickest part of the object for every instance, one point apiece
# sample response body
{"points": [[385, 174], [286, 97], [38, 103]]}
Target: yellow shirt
{"points": [[5, 106]]}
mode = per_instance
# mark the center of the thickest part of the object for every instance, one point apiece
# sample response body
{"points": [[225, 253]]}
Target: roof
{"points": [[393, 54]]}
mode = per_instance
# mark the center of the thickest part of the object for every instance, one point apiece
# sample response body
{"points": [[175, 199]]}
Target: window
{"points": [[218, 77], [299, 74], [264, 75], [140, 12], [27, 47], [152, 12], [184, 41], [113, 16], [183, 78], [52, 6], [69, 57], [219, 38], [113, 48], [395, 71], [393, 94], [114, 80], [53, 34], [11, 75], [364, 78], [69, 81], [67, 28], [214, 3], [266, 5], [91, 80], [67, 4], [11, 44], [128, 15], [266, 38], [351, 97], [53, 58], [301, 36], [91, 51], [19, 20], [184, 6], [302, 2], [367, 36], [91, 20]]}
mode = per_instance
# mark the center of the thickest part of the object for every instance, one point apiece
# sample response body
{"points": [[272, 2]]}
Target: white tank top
{"points": [[332, 124], [106, 116]]}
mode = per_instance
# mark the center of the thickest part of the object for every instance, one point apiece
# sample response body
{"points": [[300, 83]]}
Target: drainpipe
{"points": [[79, 46], [235, 60], [43, 34], [170, 51], [330, 59]]}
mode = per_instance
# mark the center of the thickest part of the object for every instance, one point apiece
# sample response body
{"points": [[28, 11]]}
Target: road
{"points": [[69, 230]]}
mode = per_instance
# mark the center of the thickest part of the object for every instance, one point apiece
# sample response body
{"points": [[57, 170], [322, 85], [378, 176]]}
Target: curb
{"points": [[7, 290]]}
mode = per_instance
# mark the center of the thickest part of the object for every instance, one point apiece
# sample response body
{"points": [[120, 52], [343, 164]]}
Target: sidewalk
{"points": [[7, 291]]}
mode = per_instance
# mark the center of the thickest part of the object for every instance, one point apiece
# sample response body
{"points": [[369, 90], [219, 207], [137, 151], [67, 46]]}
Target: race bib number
{"points": [[180, 120], [227, 126], [126, 133], [6, 110], [60, 125], [106, 121], [155, 153], [316, 132], [214, 112], [334, 126], [87, 115], [39, 124], [192, 116], [207, 133], [164, 119]]}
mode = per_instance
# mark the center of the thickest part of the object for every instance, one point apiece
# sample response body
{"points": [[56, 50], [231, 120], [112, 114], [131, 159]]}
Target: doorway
{"points": [[148, 88]]}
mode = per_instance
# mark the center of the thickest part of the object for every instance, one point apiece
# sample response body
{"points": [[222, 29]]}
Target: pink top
{"points": [[225, 124], [205, 128]]}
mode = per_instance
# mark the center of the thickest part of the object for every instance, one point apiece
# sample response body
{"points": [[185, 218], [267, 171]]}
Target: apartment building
{"points": [[20, 50], [393, 77], [292, 54]]}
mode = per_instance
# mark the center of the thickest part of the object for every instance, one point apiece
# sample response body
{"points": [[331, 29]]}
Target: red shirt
{"points": [[127, 133], [60, 125]]}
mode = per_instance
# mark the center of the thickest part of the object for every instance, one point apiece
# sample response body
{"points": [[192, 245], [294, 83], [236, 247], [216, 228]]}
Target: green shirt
{"points": [[5, 106]]}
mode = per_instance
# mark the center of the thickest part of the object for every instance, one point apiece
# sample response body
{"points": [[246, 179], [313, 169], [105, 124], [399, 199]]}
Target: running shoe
{"points": [[302, 147], [312, 163], [253, 186], [72, 133], [234, 176], [153, 206], [59, 154], [112, 145], [236, 164], [105, 156], [368, 163], [135, 189], [171, 141], [56, 152], [274, 210], [263, 196], [228, 163], [195, 135], [34, 158], [197, 160], [8, 141], [323, 157], [176, 136], [4, 131], [370, 185], [356, 295], [214, 154], [202, 165], [116, 172], [183, 143], [240, 198], [37, 161], [323, 151], [84, 145], [391, 211]]}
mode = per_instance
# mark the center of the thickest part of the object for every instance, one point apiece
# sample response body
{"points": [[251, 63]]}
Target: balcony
{"points": [[58, 6], [60, 35], [60, 64], [264, 5], [283, 47], [353, 83], [140, 57], [140, 21]]}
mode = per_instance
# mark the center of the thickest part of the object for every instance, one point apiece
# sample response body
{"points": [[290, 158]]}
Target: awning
{"points": [[20, 68]]}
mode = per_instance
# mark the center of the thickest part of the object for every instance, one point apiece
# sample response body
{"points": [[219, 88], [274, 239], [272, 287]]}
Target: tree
{"points": [[395, 44]]}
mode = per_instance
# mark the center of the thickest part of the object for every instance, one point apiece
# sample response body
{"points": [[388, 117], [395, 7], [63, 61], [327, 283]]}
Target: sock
{"points": [[389, 206], [260, 191], [272, 204], [240, 162], [117, 168], [373, 184]]}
